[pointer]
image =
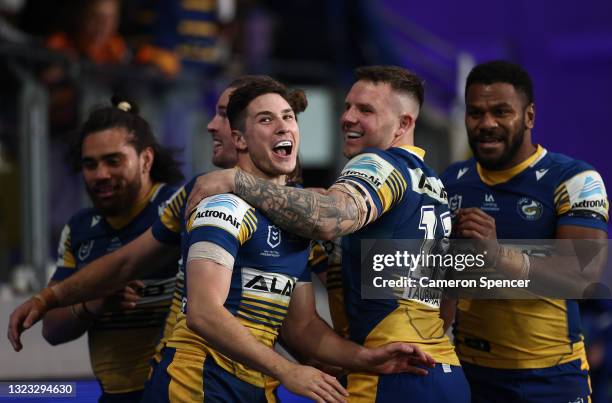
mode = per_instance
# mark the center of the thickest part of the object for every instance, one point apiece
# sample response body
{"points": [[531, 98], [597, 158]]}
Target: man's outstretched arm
{"points": [[98, 279], [337, 211]]}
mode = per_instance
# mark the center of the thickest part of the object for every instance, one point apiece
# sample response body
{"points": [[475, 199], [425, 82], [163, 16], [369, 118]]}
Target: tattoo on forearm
{"points": [[300, 211]]}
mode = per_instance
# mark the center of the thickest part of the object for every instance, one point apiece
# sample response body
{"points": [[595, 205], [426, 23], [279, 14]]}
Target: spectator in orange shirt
{"points": [[95, 34]]}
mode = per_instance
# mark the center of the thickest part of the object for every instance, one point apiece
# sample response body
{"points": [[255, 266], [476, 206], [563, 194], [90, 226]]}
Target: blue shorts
{"points": [[189, 377], [562, 383], [444, 383]]}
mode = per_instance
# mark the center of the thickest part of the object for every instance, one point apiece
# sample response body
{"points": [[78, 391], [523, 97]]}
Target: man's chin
{"points": [[107, 207], [350, 152], [489, 162]]}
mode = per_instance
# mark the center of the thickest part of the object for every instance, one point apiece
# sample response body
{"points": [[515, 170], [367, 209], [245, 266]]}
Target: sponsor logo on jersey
{"points": [[368, 164], [369, 178], [94, 221], [529, 209], [590, 188], [454, 203], [540, 173], [489, 203], [429, 185], [370, 168], [275, 286], [589, 204], [223, 201], [432, 185], [85, 250], [218, 214], [274, 236], [587, 192], [222, 211], [462, 172]]}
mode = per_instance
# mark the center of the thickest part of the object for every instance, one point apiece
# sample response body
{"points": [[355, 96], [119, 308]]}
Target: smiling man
{"points": [[531, 349], [245, 278], [384, 192], [125, 173]]}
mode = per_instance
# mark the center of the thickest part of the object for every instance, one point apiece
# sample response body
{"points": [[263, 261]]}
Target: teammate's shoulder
{"points": [[226, 200], [163, 192], [377, 160], [405, 154], [565, 167], [226, 211], [567, 162]]}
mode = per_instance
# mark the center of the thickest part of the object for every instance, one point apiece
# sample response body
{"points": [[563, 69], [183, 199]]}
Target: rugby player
{"points": [[384, 192], [322, 343], [126, 174], [532, 349]]}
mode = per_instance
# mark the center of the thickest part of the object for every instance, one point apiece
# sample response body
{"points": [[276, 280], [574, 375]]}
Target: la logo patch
{"points": [[274, 236]]}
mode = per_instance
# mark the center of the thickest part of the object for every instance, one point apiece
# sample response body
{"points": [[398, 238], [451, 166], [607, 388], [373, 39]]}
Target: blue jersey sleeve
{"points": [[66, 262], [379, 173], [581, 198], [225, 220]]}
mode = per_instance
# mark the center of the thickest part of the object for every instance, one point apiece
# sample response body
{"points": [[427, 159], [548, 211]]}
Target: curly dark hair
{"points": [[242, 97], [124, 114]]}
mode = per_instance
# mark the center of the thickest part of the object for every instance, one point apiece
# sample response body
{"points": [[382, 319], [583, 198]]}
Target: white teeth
{"points": [[353, 135], [284, 143]]}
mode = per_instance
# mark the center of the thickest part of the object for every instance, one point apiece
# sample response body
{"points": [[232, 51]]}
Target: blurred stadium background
{"points": [[174, 56]]}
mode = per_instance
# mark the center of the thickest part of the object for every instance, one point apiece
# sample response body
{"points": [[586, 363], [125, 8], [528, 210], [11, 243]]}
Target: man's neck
{"points": [[246, 164]]}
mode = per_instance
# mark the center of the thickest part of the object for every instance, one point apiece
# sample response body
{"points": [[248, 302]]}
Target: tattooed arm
{"points": [[340, 210]]}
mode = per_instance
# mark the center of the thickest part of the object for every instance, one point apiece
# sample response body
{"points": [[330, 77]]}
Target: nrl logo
{"points": [[454, 203], [85, 250], [274, 236]]}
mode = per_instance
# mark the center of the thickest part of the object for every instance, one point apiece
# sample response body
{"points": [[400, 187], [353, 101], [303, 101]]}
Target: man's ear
{"points": [[238, 140], [406, 123], [530, 116], [147, 157]]}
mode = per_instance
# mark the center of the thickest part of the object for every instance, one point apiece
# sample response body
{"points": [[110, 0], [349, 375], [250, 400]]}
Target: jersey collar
{"points": [[418, 152], [496, 177], [122, 220]]}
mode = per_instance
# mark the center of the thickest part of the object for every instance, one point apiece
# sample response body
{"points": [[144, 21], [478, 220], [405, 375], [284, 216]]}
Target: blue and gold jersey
{"points": [[120, 343], [269, 262], [412, 204], [169, 229], [528, 201]]}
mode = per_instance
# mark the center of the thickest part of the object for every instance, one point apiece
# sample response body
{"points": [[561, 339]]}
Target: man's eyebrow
{"points": [[364, 105], [494, 105], [263, 113], [105, 156]]}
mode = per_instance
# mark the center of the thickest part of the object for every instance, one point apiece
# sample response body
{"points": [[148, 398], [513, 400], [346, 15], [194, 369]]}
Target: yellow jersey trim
{"points": [[496, 177], [419, 152]]}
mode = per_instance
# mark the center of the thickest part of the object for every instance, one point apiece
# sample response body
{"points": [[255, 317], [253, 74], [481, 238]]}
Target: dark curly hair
{"points": [[242, 97], [124, 114]]}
